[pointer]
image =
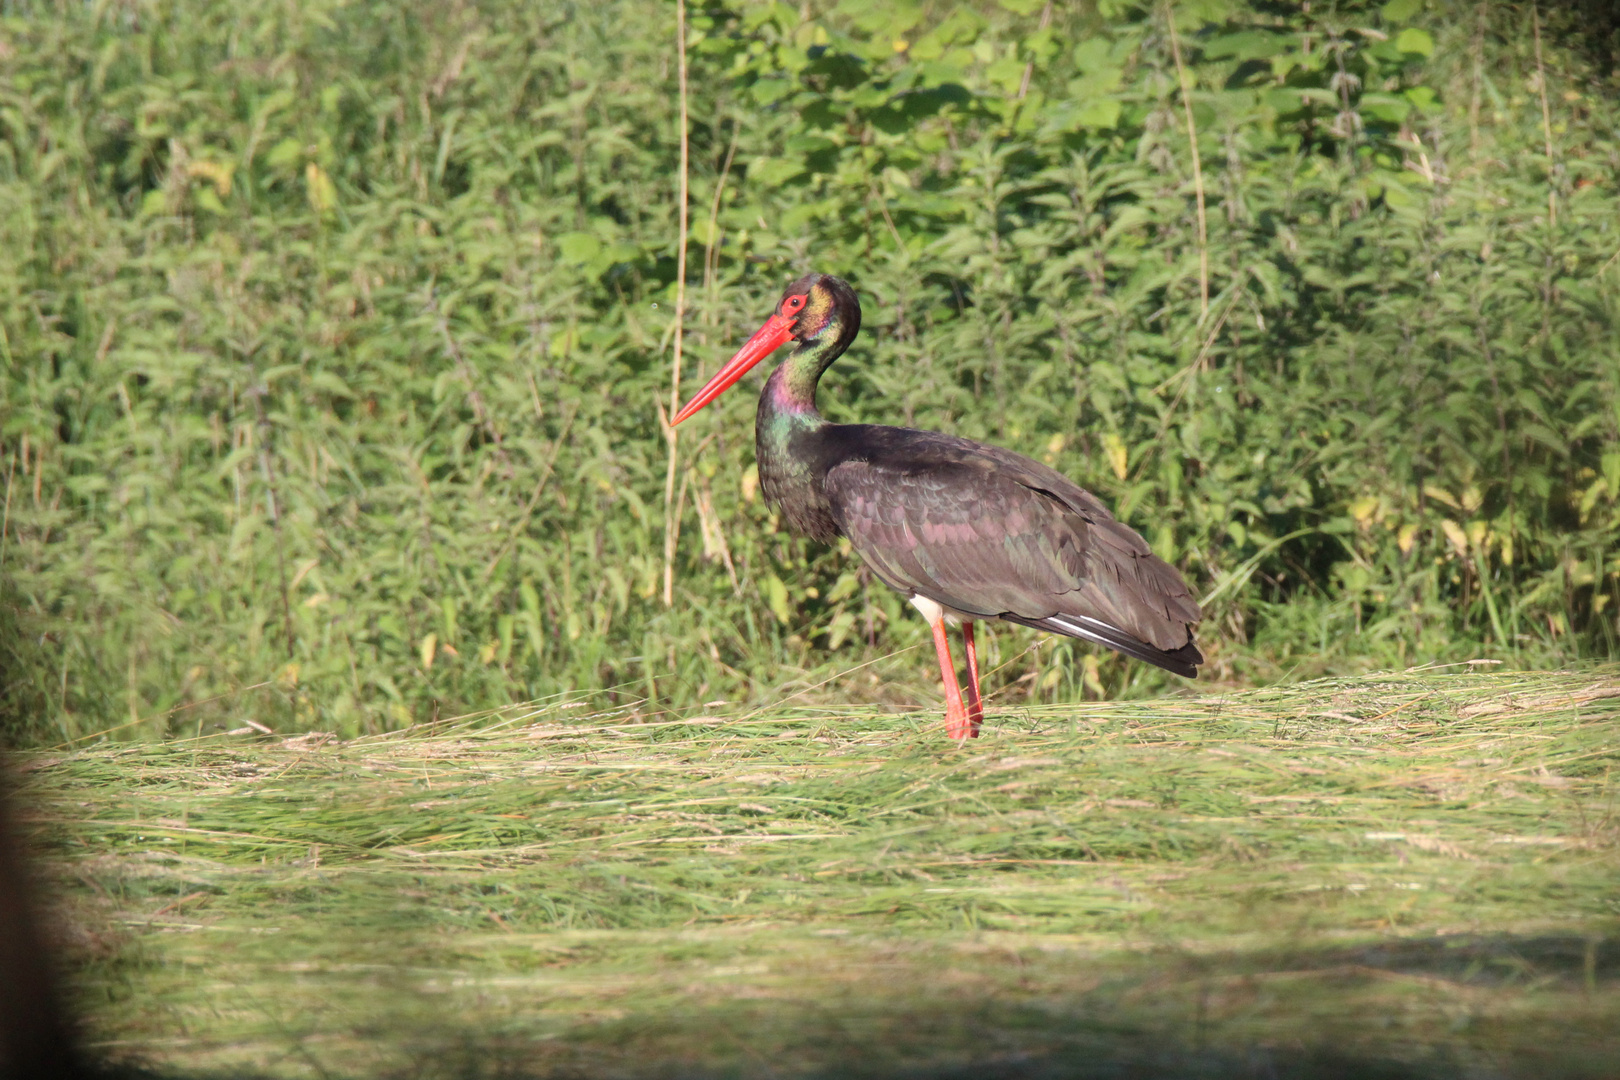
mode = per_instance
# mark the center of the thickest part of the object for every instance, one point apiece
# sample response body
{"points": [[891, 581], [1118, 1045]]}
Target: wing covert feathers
{"points": [[990, 533]]}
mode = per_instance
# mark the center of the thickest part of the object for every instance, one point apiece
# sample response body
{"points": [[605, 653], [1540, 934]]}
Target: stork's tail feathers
{"points": [[1183, 661]]}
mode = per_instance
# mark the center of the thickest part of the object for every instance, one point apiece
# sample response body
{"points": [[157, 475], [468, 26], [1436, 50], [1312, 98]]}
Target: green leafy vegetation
{"points": [[334, 335], [1402, 876]]}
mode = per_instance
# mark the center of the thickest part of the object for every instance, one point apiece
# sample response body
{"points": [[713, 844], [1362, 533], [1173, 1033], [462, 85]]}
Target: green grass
{"points": [[1395, 875]]}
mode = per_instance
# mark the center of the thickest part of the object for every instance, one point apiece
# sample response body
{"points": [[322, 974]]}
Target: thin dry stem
{"points": [[1546, 116], [5, 524], [539, 487], [711, 258], [672, 520], [1197, 164], [1029, 68], [1477, 54]]}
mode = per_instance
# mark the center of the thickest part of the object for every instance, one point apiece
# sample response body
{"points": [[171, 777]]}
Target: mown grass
{"points": [[1399, 875]]}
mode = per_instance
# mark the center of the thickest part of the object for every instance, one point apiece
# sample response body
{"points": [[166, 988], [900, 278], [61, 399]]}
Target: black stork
{"points": [[963, 530]]}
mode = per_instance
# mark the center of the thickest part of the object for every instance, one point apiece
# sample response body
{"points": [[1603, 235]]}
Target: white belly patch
{"points": [[933, 611]]}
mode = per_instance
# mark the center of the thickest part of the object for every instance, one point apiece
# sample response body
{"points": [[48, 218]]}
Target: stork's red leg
{"points": [[956, 721], [975, 702]]}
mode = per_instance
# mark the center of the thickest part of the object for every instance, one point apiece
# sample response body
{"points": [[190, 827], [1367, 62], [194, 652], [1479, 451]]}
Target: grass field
{"points": [[1401, 875]]}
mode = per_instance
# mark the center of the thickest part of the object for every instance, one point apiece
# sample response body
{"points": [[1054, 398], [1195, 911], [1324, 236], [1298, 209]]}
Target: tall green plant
{"points": [[333, 337]]}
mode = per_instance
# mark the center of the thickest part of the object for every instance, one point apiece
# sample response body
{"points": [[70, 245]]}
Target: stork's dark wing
{"points": [[988, 532]]}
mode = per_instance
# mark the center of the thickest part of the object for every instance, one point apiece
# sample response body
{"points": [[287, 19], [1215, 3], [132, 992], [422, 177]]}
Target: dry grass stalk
{"points": [[672, 516]]}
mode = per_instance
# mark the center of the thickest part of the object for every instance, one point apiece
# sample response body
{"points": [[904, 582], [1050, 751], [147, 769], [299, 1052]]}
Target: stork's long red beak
{"points": [[776, 332]]}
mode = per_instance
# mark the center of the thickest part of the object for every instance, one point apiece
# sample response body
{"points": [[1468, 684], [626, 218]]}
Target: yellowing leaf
{"points": [[319, 189], [1441, 495], [217, 173], [1118, 457], [840, 629], [1091, 676], [430, 647], [1406, 538], [776, 595], [562, 342], [1458, 538], [1363, 508]]}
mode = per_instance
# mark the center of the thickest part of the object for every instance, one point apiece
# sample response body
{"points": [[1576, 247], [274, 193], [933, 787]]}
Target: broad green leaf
{"points": [[578, 247], [285, 154], [1093, 54], [1248, 45], [1386, 107], [1100, 114], [1416, 41], [1423, 98]]}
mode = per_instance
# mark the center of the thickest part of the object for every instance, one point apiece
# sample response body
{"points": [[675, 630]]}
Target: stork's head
{"points": [[819, 311]]}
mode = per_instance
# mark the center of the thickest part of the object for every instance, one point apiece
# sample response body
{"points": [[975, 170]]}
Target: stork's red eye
{"points": [[794, 303]]}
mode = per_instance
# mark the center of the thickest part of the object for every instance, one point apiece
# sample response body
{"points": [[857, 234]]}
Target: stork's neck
{"points": [[784, 429], [790, 392]]}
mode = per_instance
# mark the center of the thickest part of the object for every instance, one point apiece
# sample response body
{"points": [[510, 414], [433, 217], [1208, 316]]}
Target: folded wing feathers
{"points": [[985, 530]]}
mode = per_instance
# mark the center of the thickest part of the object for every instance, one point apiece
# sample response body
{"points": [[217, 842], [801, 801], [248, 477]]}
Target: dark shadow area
{"points": [[1169, 1017], [1592, 27], [36, 1038]]}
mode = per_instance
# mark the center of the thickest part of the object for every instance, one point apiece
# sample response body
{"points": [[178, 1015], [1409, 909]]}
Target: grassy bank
{"points": [[1401, 875]]}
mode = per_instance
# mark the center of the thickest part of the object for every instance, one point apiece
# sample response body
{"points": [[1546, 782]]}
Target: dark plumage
{"points": [[978, 531]]}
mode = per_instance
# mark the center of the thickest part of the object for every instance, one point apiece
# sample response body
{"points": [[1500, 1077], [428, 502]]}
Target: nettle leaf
{"points": [[962, 25], [578, 247], [1099, 114], [1423, 98], [1096, 83], [884, 22], [1398, 11], [1386, 107], [1415, 41], [770, 91], [1194, 14], [1093, 54], [1248, 45]]}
